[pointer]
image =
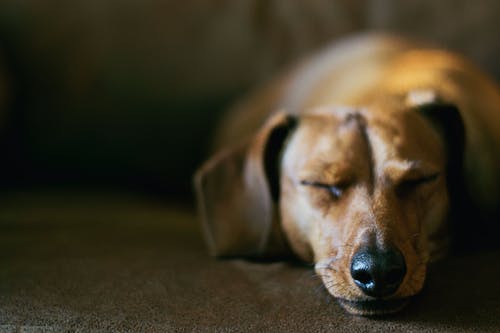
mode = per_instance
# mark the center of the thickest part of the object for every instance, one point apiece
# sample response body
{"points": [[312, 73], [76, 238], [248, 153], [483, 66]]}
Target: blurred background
{"points": [[125, 94]]}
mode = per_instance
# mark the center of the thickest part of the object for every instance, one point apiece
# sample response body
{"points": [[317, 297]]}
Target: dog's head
{"points": [[360, 192]]}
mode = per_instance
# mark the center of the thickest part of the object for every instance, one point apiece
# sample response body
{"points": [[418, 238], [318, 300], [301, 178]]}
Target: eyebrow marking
{"points": [[409, 169], [407, 165], [421, 97]]}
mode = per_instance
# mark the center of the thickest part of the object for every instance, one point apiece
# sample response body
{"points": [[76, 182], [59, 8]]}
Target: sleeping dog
{"points": [[357, 160]]}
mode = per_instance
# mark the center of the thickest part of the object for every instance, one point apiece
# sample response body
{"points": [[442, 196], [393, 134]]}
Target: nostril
{"points": [[362, 277]]}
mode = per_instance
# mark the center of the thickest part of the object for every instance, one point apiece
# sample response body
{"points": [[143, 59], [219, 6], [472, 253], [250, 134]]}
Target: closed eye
{"points": [[408, 185], [336, 191]]}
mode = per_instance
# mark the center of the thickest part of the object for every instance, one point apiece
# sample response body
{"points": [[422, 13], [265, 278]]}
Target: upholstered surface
{"points": [[109, 263]]}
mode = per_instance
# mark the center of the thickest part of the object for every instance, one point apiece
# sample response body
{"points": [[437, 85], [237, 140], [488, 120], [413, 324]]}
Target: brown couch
{"points": [[110, 262]]}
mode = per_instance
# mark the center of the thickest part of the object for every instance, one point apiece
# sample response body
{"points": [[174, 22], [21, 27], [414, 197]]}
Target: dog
{"points": [[358, 160]]}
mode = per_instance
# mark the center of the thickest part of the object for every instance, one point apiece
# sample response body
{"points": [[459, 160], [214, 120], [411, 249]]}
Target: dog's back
{"points": [[337, 75]]}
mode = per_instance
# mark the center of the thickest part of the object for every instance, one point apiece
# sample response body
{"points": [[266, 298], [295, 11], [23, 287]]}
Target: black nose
{"points": [[378, 273]]}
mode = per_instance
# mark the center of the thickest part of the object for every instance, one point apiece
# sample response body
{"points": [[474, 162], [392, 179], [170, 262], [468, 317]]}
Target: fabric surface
{"points": [[118, 263]]}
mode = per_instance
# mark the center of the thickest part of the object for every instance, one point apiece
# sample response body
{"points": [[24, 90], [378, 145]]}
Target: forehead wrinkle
{"points": [[382, 152], [361, 125], [335, 148]]}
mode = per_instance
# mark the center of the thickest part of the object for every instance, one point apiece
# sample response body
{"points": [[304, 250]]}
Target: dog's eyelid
{"points": [[422, 178], [409, 184], [336, 191], [313, 183], [340, 185]]}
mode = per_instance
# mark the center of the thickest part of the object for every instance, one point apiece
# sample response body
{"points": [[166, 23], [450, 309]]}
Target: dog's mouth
{"points": [[373, 307]]}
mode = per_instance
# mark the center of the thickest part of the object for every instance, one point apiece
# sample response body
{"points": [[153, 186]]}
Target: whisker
{"points": [[331, 269], [332, 284], [320, 288], [344, 245], [326, 264], [322, 267], [324, 295]]}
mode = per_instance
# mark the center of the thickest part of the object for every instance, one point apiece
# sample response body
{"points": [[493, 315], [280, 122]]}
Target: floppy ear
{"points": [[237, 191], [447, 120]]}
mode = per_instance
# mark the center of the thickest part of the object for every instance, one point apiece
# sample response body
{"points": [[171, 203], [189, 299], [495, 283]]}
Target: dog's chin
{"points": [[373, 307]]}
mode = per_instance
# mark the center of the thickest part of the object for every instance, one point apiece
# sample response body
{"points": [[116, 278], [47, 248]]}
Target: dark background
{"points": [[125, 94]]}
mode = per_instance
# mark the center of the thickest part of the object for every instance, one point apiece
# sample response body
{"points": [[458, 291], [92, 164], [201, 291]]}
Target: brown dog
{"points": [[358, 172]]}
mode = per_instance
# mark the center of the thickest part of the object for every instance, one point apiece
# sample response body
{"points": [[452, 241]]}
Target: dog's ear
{"points": [[446, 119], [237, 192]]}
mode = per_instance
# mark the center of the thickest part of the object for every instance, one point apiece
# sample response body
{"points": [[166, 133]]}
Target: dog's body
{"points": [[359, 170]]}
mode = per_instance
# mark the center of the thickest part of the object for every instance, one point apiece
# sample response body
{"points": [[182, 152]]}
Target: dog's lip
{"points": [[373, 307]]}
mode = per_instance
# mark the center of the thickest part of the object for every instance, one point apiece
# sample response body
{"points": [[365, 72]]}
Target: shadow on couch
{"points": [[118, 262]]}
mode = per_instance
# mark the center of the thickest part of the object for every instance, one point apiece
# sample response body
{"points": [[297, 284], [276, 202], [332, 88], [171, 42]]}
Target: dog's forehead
{"points": [[404, 135], [350, 136], [327, 138], [329, 131], [398, 126]]}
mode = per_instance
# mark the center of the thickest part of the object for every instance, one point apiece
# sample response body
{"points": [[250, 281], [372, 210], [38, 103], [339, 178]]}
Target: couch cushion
{"points": [[115, 262]]}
